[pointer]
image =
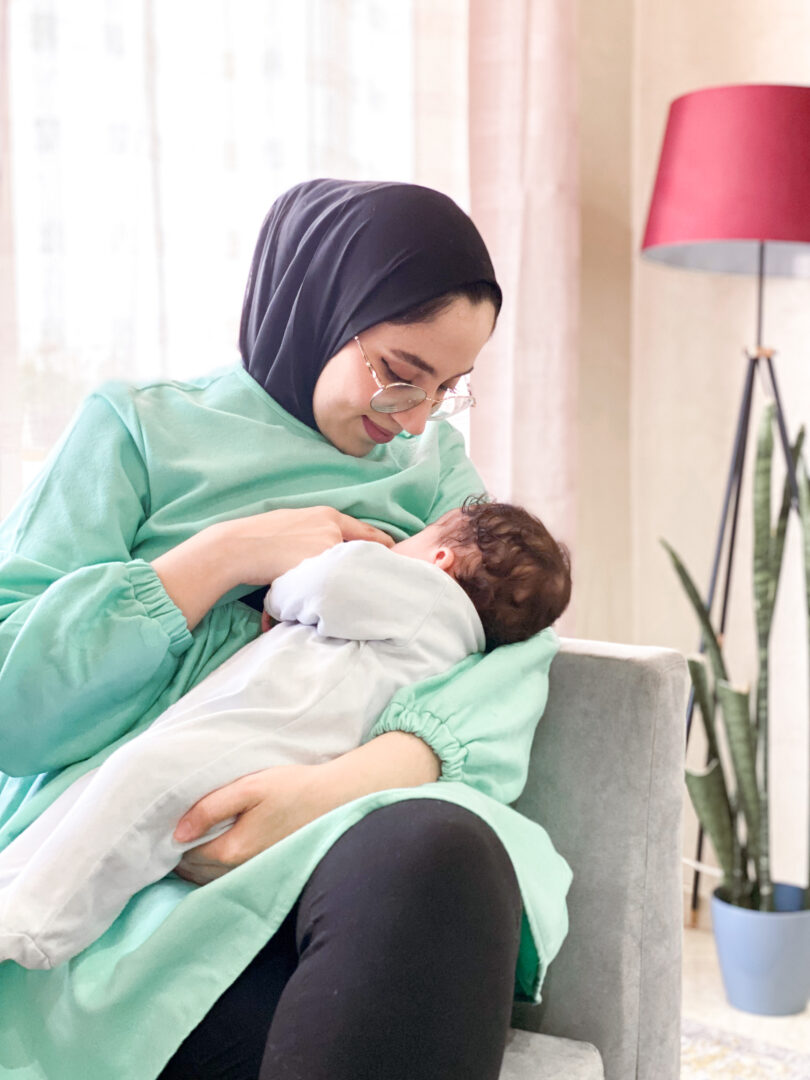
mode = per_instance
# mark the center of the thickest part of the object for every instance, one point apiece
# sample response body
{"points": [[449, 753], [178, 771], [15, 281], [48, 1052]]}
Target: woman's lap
{"points": [[397, 961]]}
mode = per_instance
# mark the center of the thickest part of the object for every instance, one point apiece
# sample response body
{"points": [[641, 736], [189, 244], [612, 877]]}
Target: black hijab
{"points": [[337, 256]]}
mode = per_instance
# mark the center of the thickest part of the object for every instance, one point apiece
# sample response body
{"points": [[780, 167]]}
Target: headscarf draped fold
{"points": [[337, 256]]}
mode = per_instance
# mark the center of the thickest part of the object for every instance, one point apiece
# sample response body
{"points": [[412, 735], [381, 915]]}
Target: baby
{"points": [[354, 625]]}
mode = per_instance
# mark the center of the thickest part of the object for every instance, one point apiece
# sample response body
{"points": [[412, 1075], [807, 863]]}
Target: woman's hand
{"points": [[264, 546], [252, 551], [275, 802], [269, 805]]}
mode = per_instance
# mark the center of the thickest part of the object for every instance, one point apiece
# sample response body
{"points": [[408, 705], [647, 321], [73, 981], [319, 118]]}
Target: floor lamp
{"points": [[732, 195]]}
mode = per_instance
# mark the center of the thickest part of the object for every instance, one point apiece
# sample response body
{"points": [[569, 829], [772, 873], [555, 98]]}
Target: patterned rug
{"points": [[712, 1054]]}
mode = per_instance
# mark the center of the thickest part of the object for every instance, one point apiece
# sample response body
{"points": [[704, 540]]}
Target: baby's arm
{"points": [[61, 888], [64, 880], [358, 591]]}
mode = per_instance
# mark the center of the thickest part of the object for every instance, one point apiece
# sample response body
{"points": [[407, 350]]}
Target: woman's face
{"points": [[431, 355]]}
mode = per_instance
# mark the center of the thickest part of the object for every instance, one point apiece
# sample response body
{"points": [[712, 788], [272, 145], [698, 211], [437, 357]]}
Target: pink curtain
{"points": [[523, 185]]}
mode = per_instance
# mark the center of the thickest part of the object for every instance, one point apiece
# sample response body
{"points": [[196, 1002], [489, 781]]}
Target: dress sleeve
{"points": [[88, 635], [480, 717], [458, 478]]}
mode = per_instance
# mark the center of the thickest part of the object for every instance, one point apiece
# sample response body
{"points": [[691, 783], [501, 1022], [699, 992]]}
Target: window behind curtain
{"points": [[146, 141]]}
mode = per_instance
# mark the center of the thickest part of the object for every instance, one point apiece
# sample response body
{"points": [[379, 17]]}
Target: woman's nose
{"points": [[413, 421]]}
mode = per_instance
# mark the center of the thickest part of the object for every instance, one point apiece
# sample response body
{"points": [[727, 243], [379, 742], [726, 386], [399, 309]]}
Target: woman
{"points": [[374, 921]]}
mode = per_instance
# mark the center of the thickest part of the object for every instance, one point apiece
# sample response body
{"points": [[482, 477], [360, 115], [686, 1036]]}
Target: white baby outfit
{"points": [[356, 623]]}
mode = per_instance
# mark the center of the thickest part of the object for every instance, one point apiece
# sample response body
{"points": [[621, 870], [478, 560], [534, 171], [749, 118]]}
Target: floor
{"points": [[704, 1000]]}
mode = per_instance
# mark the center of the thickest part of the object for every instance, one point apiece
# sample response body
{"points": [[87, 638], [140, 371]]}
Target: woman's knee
{"points": [[440, 838], [422, 860]]}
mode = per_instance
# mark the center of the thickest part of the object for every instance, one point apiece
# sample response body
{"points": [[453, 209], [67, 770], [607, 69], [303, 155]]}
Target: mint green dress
{"points": [[92, 650]]}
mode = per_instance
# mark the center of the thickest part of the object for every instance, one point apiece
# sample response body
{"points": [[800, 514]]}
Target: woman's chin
{"points": [[354, 445], [356, 438]]}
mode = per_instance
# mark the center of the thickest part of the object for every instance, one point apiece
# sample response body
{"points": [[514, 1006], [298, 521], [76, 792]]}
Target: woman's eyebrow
{"points": [[423, 365]]}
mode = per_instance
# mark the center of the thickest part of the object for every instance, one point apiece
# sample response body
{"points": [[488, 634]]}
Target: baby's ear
{"points": [[444, 558]]}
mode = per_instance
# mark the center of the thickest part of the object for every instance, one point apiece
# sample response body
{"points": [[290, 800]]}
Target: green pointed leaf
{"points": [[704, 701], [764, 576], [787, 501], [709, 636], [736, 714], [707, 791]]}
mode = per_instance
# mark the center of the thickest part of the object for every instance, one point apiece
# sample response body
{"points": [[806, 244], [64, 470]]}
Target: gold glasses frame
{"points": [[450, 404]]}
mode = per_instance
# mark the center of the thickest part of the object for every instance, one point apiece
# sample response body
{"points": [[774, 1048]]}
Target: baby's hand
{"points": [[268, 622]]}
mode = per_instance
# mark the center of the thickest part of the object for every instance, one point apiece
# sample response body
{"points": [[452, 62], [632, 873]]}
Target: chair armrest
{"points": [[606, 781]]}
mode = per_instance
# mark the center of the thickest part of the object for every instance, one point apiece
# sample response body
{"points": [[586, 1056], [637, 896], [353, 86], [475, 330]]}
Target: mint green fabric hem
{"points": [[137, 991]]}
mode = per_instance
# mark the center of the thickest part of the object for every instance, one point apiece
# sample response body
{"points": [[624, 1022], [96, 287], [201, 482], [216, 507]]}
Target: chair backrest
{"points": [[606, 781]]}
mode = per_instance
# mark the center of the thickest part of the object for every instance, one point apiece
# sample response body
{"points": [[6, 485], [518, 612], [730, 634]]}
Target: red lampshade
{"points": [[734, 171]]}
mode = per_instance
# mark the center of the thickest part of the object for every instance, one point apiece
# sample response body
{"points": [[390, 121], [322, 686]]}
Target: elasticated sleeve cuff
{"points": [[149, 591], [480, 716], [430, 729]]}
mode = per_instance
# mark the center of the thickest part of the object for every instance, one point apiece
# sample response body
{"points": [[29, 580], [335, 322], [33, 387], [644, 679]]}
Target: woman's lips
{"points": [[378, 434]]}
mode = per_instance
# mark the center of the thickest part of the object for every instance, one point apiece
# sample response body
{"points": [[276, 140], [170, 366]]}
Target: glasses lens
{"points": [[451, 406], [398, 397]]}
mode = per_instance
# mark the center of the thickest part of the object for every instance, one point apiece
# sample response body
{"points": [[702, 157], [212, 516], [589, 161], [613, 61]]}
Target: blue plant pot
{"points": [[765, 955]]}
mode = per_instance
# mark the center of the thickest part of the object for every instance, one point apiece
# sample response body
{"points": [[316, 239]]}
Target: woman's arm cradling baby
{"points": [[275, 802]]}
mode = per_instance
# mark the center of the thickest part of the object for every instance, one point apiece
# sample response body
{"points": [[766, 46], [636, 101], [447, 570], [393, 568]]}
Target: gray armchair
{"points": [[606, 780]]}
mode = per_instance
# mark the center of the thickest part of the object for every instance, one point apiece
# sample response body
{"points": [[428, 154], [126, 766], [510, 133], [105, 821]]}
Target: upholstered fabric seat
{"points": [[530, 1056], [606, 781]]}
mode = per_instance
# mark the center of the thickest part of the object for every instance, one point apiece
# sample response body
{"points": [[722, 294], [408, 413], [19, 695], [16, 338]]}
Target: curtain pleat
{"points": [[524, 198]]}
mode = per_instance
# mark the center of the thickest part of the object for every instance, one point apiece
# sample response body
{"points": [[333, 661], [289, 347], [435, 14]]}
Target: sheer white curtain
{"points": [[525, 199], [146, 141]]}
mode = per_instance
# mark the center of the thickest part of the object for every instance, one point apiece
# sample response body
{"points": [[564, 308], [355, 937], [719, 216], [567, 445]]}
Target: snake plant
{"points": [[730, 794]]}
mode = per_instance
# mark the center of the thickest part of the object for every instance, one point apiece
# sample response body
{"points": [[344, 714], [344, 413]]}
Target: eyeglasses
{"points": [[401, 396]]}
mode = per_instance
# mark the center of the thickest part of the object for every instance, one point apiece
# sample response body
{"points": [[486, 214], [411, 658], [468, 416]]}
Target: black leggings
{"points": [[396, 963]]}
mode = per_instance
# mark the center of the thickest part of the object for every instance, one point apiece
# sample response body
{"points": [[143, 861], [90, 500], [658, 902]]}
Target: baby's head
{"points": [[514, 571]]}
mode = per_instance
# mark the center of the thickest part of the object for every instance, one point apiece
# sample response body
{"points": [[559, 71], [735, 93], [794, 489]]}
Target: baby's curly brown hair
{"points": [[511, 567]]}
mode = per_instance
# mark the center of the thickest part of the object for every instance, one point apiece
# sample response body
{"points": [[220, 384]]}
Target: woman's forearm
{"points": [[271, 804], [195, 574], [252, 551], [395, 759]]}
